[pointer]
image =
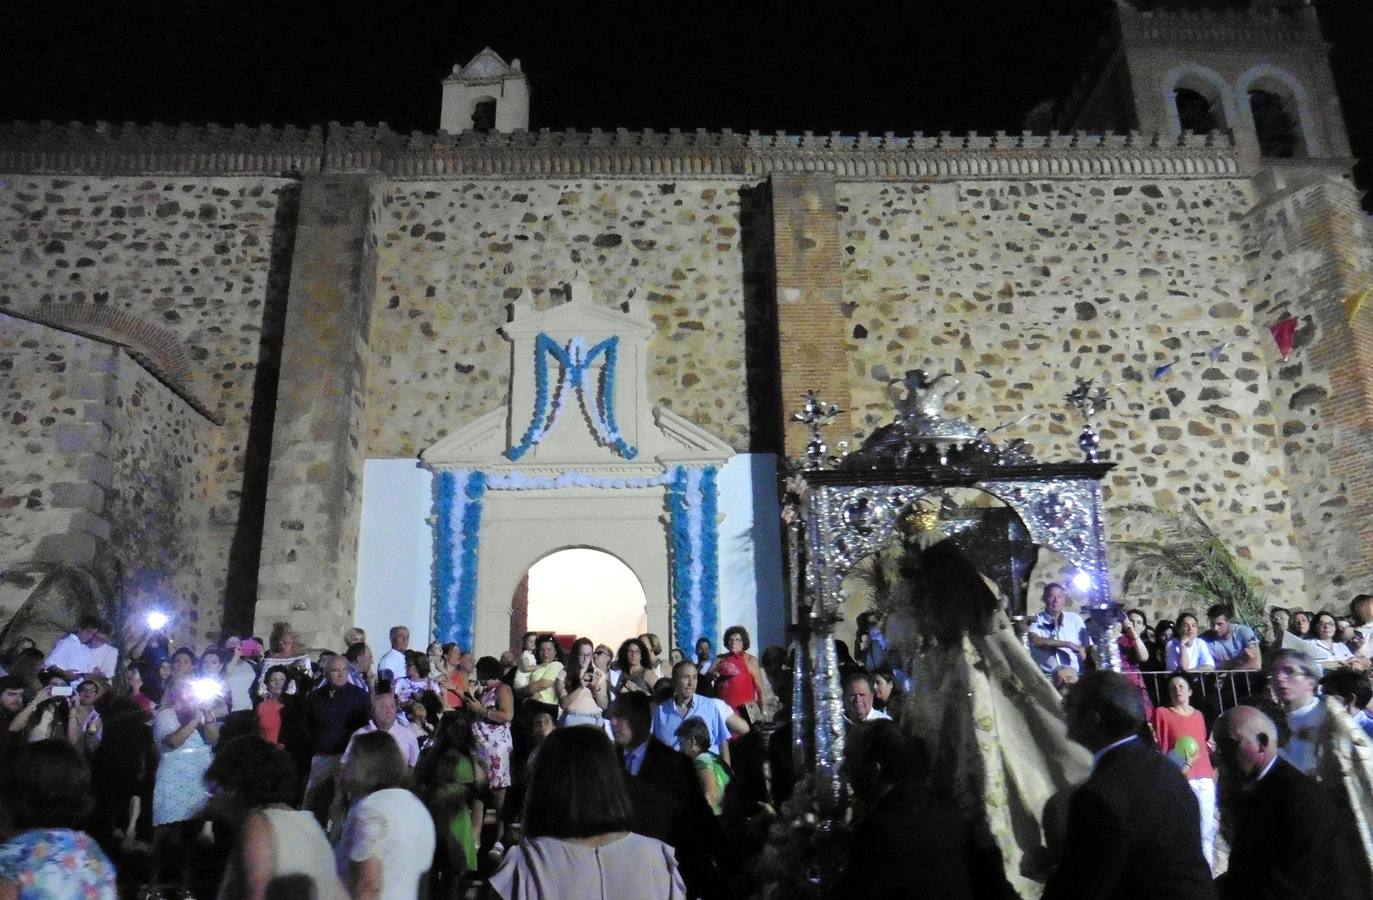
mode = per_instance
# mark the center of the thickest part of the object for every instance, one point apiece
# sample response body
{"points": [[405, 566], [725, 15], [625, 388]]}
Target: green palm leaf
{"points": [[1177, 549]]}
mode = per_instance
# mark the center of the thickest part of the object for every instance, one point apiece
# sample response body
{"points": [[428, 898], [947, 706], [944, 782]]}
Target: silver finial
{"points": [[816, 414]]}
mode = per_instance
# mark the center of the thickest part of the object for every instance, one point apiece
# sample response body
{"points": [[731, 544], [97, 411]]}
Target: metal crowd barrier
{"points": [[1212, 692]]}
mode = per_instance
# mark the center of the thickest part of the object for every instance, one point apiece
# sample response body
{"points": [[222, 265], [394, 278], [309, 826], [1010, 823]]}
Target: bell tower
{"points": [[1261, 73], [487, 94]]}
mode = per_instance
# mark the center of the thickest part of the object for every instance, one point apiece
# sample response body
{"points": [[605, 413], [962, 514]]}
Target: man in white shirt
{"points": [[392, 662], [71, 656], [858, 696], [104, 655], [1058, 636], [385, 717]]}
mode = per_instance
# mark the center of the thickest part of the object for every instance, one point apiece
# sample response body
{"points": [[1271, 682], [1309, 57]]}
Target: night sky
{"points": [[927, 65]]}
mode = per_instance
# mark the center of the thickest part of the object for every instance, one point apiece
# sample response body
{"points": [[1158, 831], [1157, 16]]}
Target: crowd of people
{"points": [[412, 773], [1305, 658], [564, 766]]}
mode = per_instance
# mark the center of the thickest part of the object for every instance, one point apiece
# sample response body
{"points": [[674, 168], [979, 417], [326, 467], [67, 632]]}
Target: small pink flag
{"points": [[1284, 334]]}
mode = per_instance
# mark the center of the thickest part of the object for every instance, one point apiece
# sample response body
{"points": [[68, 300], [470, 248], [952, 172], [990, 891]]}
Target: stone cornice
{"points": [[1221, 28], [702, 154], [211, 150], [107, 149]]}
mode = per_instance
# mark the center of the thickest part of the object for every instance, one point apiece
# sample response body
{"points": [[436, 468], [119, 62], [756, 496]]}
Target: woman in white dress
{"points": [[184, 730], [388, 839], [279, 847]]}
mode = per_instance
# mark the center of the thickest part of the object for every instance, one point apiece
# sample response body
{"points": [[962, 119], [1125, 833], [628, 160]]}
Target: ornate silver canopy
{"points": [[842, 510]]}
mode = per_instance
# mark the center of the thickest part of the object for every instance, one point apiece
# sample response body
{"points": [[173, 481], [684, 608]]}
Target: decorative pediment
{"points": [[578, 399], [581, 314], [486, 65]]}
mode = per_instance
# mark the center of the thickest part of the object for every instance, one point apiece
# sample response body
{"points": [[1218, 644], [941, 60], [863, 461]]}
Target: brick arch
{"points": [[160, 348]]}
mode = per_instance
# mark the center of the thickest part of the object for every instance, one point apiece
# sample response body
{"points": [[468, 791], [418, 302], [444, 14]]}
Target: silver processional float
{"points": [[840, 509]]}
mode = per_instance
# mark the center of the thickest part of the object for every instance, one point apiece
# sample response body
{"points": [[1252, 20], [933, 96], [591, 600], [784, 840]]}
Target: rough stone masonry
{"points": [[205, 332]]}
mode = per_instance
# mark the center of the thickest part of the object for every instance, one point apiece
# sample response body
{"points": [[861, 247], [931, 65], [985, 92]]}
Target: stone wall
{"points": [[1018, 287], [178, 269], [1309, 253], [1032, 259], [156, 521], [47, 467], [451, 255], [313, 508], [102, 474]]}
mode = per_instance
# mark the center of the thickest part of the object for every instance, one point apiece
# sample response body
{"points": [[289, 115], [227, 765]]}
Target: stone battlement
{"points": [[1222, 27], [103, 148], [107, 149]]}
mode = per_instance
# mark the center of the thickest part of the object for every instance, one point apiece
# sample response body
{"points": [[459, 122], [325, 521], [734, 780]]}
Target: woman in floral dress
{"points": [[494, 712], [47, 792]]}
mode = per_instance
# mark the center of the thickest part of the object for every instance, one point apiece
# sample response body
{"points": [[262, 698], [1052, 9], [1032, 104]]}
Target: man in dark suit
{"points": [[909, 840], [1133, 826], [669, 803], [1290, 838]]}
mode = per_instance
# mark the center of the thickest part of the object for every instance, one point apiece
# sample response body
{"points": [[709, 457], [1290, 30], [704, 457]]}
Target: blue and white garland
{"points": [[574, 361], [458, 502], [518, 481], [693, 503]]}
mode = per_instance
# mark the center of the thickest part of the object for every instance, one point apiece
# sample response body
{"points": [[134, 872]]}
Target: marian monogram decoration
{"points": [[575, 363]]}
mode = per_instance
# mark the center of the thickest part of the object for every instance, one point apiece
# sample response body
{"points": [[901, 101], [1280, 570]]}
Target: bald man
{"points": [[1289, 838], [1134, 806]]}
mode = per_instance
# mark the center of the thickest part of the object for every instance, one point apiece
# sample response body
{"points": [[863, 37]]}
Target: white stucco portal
{"points": [[595, 428], [521, 527], [396, 549], [585, 592]]}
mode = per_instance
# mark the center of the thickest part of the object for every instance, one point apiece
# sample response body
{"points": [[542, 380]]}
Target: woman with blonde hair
{"points": [[545, 676], [388, 838]]}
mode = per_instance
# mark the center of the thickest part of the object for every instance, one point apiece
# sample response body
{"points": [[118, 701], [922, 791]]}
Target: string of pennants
{"points": [[1284, 335]]}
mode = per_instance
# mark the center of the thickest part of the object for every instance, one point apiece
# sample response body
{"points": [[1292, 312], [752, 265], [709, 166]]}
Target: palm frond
{"points": [[1179, 550]]}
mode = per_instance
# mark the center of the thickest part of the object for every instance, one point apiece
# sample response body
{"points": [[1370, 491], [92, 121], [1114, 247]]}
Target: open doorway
{"points": [[582, 592]]}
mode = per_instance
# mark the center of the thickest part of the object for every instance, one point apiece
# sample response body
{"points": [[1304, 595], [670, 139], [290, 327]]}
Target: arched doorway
{"points": [[583, 592]]}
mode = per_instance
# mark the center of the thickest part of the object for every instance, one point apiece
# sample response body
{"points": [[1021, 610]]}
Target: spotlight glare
{"points": [[157, 620], [1082, 581], [205, 690]]}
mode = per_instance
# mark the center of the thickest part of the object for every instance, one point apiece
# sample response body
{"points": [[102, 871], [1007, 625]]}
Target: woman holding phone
{"points": [[583, 693], [184, 731]]}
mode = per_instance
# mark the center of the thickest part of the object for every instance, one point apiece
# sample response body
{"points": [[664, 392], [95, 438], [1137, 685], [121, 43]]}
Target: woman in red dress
{"points": [[739, 678]]}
